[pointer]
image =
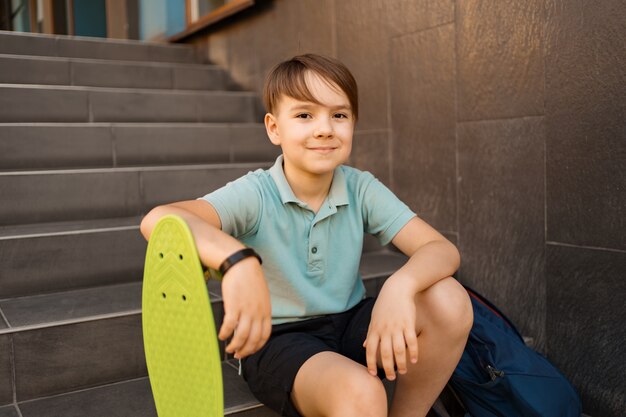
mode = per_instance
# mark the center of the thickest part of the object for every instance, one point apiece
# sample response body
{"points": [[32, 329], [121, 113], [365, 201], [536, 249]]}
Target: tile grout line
{"points": [[571, 245], [4, 317], [13, 377], [457, 172]]}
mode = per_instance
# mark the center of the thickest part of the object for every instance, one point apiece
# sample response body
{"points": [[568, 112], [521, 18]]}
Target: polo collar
{"points": [[337, 195]]}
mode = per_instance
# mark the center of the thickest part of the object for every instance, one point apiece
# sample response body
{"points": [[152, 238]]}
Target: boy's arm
{"points": [[244, 289], [392, 328]]}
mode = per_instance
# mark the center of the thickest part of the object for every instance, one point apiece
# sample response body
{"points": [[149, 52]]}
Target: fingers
{"points": [[387, 358], [248, 336], [371, 350], [394, 352], [411, 342], [240, 337], [228, 326], [399, 353]]}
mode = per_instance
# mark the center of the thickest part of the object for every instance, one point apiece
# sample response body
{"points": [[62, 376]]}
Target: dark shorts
{"points": [[271, 372]]}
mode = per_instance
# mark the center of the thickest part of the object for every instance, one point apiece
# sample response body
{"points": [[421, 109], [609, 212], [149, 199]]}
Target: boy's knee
{"points": [[453, 307], [364, 396]]}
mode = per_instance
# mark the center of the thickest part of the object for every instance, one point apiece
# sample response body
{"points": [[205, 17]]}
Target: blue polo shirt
{"points": [[310, 260]]}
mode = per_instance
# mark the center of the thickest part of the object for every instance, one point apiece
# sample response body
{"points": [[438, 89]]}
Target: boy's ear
{"points": [[271, 128]]}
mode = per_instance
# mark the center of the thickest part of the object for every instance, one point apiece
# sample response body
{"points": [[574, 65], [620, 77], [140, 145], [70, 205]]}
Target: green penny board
{"points": [[180, 342]]}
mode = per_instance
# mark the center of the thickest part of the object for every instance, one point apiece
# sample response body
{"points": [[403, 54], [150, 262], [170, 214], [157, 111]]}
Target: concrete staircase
{"points": [[93, 134]]}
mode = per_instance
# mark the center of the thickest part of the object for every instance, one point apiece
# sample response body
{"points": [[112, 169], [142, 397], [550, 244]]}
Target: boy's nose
{"points": [[323, 129]]}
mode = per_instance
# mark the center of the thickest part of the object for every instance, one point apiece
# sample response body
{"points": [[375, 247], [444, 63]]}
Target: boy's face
{"points": [[315, 138]]}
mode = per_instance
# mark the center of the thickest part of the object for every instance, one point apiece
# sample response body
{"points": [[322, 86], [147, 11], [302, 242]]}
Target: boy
{"points": [[306, 217]]}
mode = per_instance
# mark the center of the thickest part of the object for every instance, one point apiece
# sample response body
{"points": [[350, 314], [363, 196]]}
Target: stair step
{"points": [[37, 103], [29, 146], [20, 69], [65, 195], [134, 398], [31, 256], [82, 47], [88, 337], [46, 258]]}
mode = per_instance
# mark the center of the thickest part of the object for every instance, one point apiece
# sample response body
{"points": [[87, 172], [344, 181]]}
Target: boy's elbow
{"points": [[149, 221], [454, 256]]}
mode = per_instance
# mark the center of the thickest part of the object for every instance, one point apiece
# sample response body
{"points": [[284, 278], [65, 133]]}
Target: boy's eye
{"points": [[303, 116], [341, 116]]}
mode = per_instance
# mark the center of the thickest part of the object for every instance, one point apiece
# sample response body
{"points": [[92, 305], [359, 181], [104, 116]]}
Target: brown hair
{"points": [[288, 78]]}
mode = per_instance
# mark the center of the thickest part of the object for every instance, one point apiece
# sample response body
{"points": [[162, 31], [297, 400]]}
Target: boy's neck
{"points": [[311, 189]]}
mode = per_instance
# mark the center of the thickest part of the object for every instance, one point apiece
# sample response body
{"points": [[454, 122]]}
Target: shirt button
{"points": [[314, 249]]}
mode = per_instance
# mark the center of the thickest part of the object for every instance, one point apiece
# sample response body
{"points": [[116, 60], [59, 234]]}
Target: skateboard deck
{"points": [[180, 341]]}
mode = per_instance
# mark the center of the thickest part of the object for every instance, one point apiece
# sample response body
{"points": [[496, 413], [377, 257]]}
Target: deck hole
{"points": [[164, 295], [161, 255], [184, 297], [180, 256]]}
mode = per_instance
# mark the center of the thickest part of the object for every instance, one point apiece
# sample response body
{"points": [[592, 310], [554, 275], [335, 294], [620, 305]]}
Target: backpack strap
{"points": [[487, 304]]}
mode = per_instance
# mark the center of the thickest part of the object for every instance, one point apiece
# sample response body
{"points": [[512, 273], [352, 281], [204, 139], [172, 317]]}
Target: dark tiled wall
{"points": [[502, 123]]}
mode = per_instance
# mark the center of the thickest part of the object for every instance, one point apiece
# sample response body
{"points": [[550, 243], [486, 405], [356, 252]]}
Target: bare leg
{"points": [[329, 384], [444, 319]]}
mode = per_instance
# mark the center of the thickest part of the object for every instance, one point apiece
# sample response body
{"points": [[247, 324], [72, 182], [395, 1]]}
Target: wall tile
{"points": [[316, 32], [370, 152], [407, 16], [217, 48], [586, 311], [280, 32], [586, 123], [423, 121], [363, 45], [501, 217], [6, 373], [54, 360], [500, 58], [243, 55]]}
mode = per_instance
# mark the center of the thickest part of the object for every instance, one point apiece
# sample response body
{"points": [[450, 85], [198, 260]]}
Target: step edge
{"points": [[248, 405], [120, 62], [195, 125], [35, 235], [127, 90], [96, 40], [68, 322], [150, 168]]}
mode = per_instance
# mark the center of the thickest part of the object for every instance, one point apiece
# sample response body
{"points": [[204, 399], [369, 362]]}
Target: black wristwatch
{"points": [[236, 257]]}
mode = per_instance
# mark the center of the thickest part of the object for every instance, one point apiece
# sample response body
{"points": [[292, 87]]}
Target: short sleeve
{"points": [[238, 205], [384, 214]]}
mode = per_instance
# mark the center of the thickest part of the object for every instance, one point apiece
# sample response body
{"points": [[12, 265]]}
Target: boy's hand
{"points": [[247, 309], [392, 330]]}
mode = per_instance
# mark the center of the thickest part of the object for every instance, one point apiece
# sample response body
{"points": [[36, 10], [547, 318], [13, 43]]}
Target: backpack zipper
{"points": [[494, 373]]}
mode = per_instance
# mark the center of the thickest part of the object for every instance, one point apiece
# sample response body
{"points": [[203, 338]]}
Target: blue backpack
{"points": [[499, 376]]}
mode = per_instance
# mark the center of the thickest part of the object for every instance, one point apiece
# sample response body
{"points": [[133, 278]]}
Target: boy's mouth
{"points": [[322, 149]]}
